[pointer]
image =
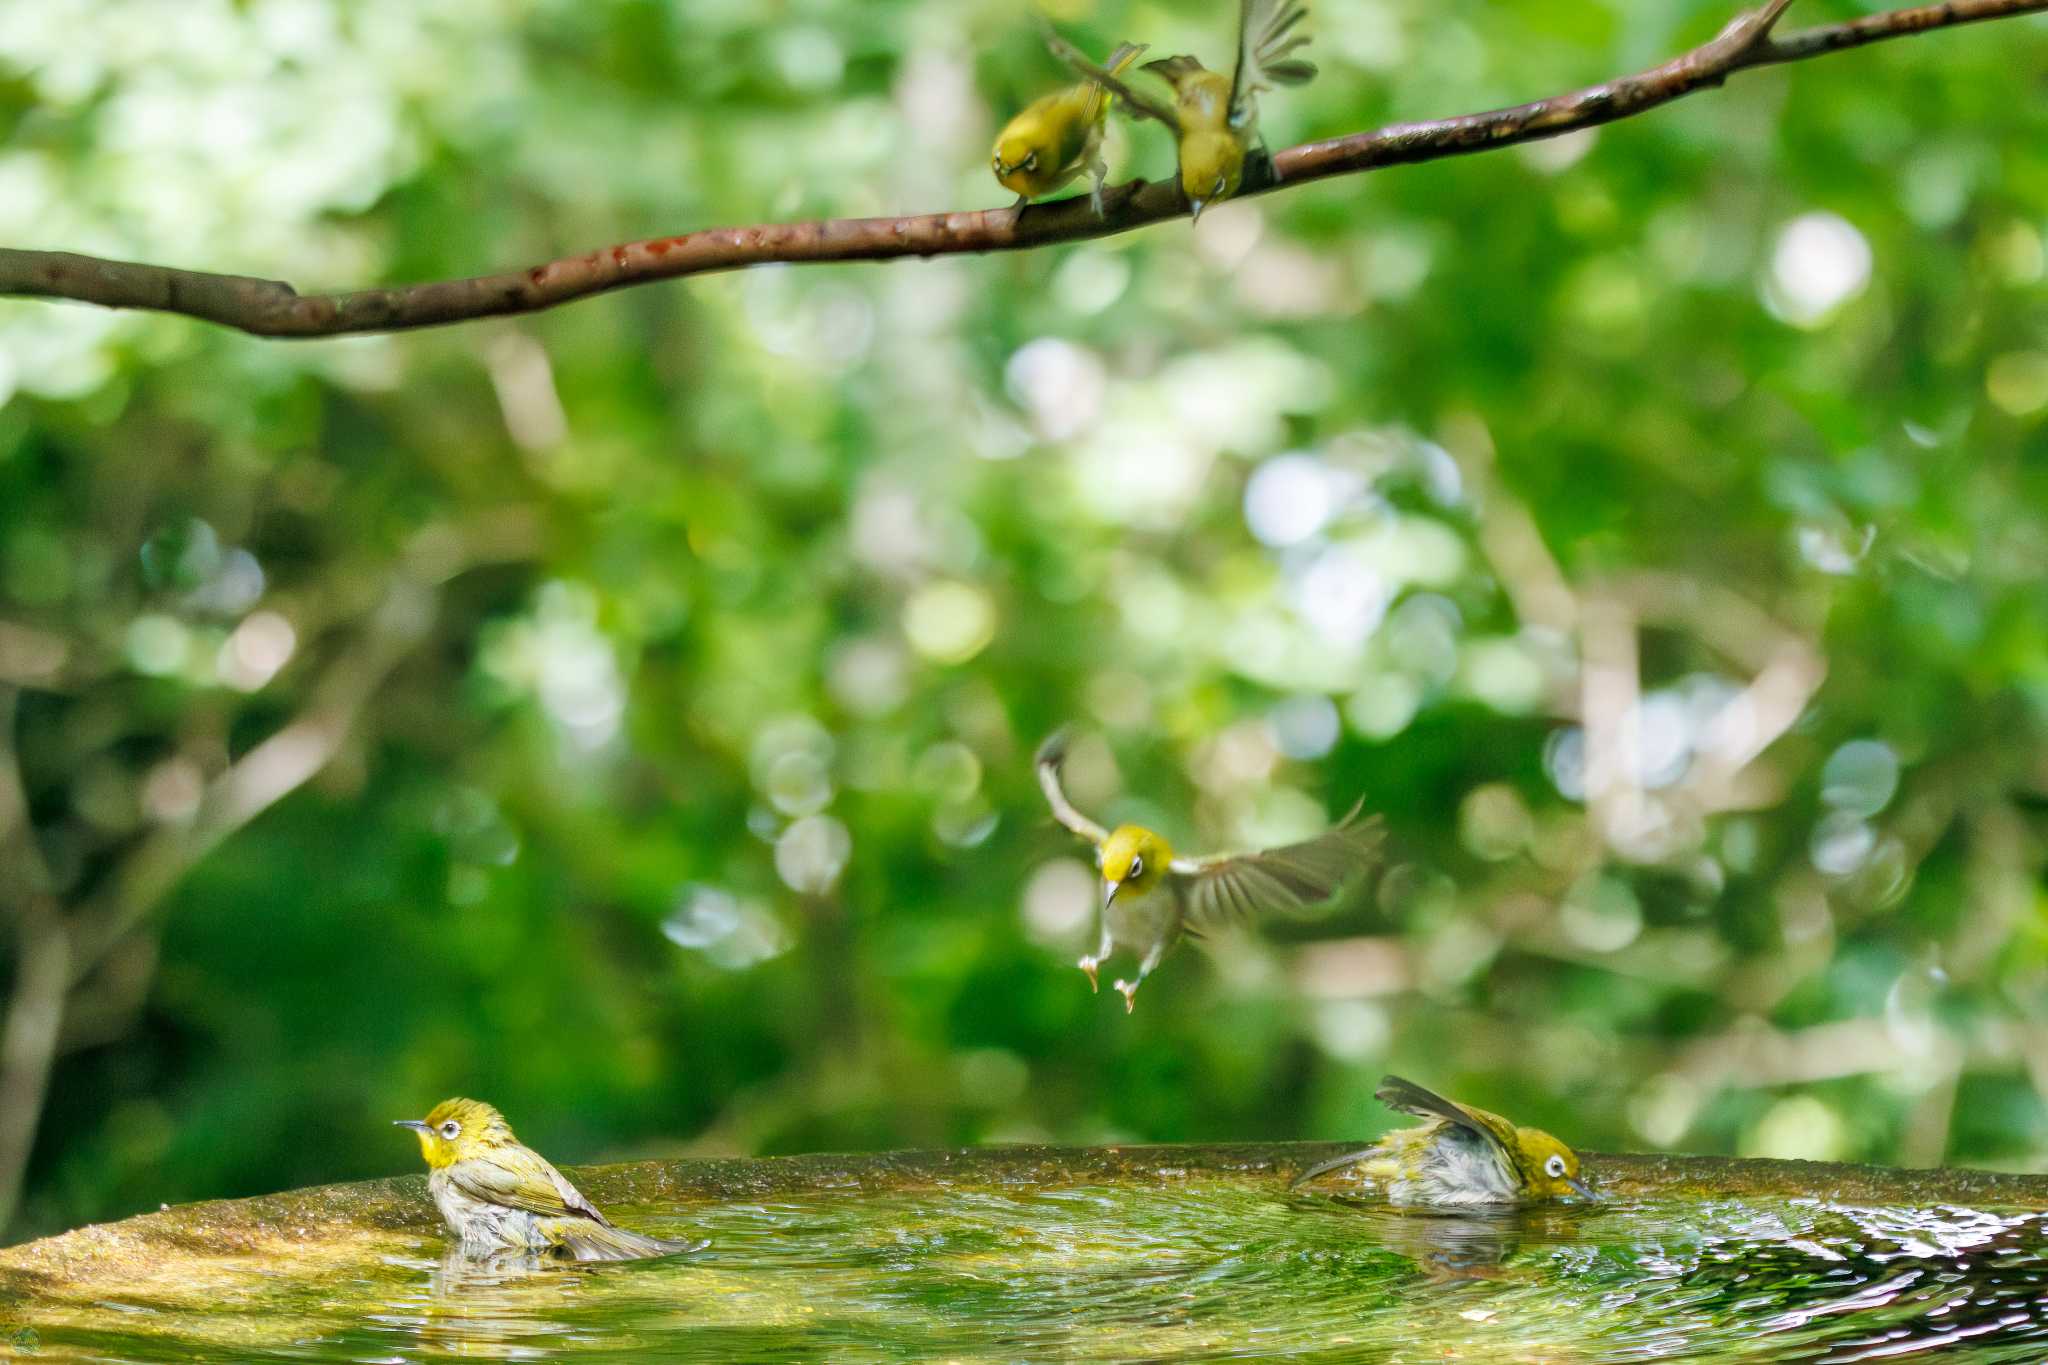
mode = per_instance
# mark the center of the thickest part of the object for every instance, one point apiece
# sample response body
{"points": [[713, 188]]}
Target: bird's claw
{"points": [[1129, 991], [1088, 965]]}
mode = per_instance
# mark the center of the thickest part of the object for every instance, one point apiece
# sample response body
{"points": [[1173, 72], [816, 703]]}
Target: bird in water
{"points": [[1150, 898], [499, 1195], [1057, 136], [1214, 117], [1461, 1156]]}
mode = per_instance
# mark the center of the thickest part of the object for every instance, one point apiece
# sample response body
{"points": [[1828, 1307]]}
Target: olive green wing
{"points": [[1268, 37], [521, 1178], [1241, 888], [1410, 1098], [1050, 755], [1144, 105]]}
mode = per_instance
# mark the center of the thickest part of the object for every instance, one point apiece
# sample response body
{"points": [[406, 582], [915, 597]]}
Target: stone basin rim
{"points": [[274, 1223]]}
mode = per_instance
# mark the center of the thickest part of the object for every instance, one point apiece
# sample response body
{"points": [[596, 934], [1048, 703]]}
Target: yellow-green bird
{"points": [[1150, 898], [1058, 136], [499, 1195], [1461, 1156], [1214, 117]]}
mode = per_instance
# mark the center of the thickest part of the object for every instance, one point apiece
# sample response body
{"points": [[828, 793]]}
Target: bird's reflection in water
{"points": [[511, 1306], [1469, 1244]]}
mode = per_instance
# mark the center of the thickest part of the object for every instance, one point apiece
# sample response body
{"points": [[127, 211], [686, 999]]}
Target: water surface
{"points": [[1195, 1265]]}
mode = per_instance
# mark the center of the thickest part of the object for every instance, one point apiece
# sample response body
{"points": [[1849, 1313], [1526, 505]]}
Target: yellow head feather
{"points": [[1134, 859], [458, 1129], [1550, 1168]]}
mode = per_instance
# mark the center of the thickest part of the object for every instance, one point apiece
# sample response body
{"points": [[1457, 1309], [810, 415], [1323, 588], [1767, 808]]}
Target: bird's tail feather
{"points": [[591, 1241]]}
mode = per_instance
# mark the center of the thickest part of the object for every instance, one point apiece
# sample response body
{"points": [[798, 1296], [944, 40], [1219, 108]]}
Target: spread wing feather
{"points": [[1238, 889], [1410, 1098], [1266, 44], [1050, 755]]}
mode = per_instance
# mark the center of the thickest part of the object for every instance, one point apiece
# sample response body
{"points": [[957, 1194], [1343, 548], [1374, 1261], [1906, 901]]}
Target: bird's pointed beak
{"points": [[1197, 205], [414, 1124], [1580, 1187], [1109, 890]]}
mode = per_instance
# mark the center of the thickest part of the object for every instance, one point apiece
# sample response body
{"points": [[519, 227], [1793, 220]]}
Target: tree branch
{"points": [[273, 308]]}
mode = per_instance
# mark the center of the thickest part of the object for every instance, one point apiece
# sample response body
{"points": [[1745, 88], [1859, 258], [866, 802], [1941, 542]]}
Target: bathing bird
{"points": [[1150, 898], [1214, 117], [499, 1195], [1461, 1156]]}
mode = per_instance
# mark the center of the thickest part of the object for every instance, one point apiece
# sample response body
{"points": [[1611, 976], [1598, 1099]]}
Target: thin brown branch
{"points": [[273, 308]]}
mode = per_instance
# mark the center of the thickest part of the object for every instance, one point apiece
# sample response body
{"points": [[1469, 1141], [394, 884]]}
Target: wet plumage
{"points": [[1214, 118], [1151, 897], [1461, 1156], [499, 1195]]}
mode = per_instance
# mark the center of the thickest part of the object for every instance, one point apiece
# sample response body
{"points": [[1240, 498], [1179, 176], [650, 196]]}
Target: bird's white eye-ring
{"points": [[1137, 869], [452, 1129], [1029, 163], [1554, 1168]]}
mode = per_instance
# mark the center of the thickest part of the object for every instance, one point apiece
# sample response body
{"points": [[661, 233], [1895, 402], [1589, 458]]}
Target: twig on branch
{"points": [[273, 308]]}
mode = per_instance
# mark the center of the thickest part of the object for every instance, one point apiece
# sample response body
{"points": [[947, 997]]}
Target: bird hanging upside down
{"points": [[1151, 898], [499, 1195], [1461, 1156]]}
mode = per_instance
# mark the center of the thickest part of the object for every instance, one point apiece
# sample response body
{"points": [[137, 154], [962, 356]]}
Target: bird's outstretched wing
{"points": [[522, 1179], [1240, 888], [1048, 761], [1266, 44], [1141, 104], [1410, 1098]]}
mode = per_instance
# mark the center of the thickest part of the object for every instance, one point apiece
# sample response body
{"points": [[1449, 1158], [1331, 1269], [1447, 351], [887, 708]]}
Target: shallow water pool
{"points": [[1171, 1256]]}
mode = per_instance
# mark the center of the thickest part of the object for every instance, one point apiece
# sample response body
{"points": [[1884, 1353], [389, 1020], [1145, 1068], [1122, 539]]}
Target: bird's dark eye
{"points": [[451, 1129], [1137, 868], [1029, 163], [1554, 1168]]}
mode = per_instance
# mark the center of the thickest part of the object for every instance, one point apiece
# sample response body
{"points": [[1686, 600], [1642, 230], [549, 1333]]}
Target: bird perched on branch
{"points": [[1151, 898], [1214, 118], [499, 1195], [1462, 1155], [1057, 136]]}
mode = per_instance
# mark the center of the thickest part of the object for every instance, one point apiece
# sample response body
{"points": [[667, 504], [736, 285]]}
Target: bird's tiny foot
{"points": [[1088, 965], [1129, 991]]}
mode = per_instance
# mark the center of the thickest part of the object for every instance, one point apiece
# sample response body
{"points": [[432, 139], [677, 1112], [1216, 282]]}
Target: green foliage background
{"points": [[701, 820]]}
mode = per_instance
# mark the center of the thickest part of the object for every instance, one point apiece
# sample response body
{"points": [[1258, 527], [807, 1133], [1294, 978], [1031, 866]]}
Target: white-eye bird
{"points": [[1056, 137], [1214, 118], [500, 1196], [1463, 1155], [1150, 898]]}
